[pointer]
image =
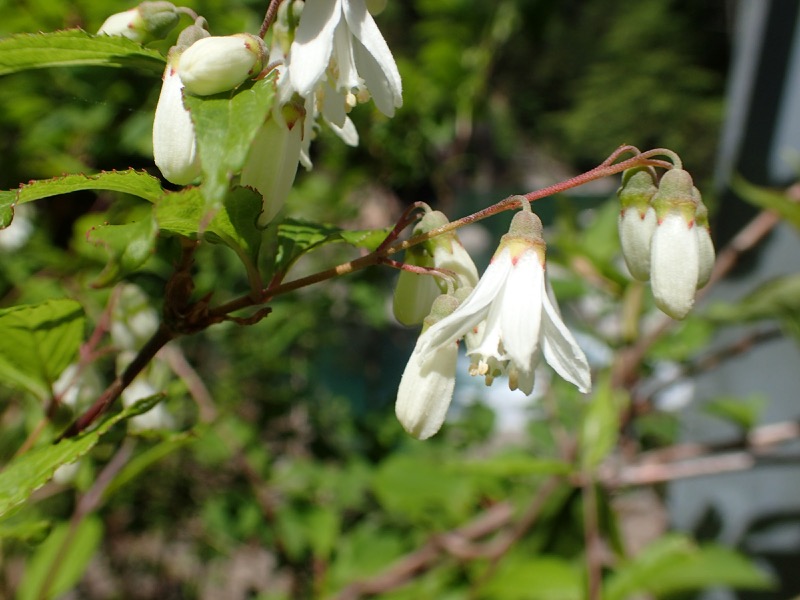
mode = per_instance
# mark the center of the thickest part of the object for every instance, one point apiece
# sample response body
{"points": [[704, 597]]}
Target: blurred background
{"points": [[284, 473]]}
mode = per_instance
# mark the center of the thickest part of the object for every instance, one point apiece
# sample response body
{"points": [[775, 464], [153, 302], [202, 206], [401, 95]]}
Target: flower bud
{"points": [[148, 21], [637, 220], [218, 64], [704, 244], [415, 292]]}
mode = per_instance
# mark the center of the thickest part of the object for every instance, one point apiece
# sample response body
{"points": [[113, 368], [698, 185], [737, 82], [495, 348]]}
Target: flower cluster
{"points": [[509, 322], [664, 233], [328, 56]]}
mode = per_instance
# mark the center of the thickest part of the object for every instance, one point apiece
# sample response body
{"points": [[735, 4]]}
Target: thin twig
{"points": [[272, 10]]}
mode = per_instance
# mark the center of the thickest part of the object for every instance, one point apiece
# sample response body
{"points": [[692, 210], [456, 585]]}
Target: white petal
{"points": [[174, 148], [386, 88], [475, 308], [707, 255], [457, 260], [347, 78], [347, 133], [271, 166], [313, 42], [522, 309], [674, 265], [635, 235], [333, 105], [561, 351], [426, 390]]}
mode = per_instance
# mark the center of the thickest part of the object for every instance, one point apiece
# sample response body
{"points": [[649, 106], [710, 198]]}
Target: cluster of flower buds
{"points": [[509, 321], [664, 233], [329, 55]]}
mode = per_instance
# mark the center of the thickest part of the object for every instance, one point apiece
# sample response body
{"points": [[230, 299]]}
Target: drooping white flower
{"points": [[427, 385], [156, 418], [637, 220], [148, 21], [415, 292], [340, 40], [682, 253], [220, 63], [516, 319]]}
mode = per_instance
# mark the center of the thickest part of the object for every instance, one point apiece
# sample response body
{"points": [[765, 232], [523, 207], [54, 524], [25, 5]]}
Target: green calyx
{"points": [[158, 18], [443, 306], [637, 189], [676, 194]]}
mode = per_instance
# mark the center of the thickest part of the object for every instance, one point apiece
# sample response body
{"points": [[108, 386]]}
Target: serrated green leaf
{"points": [[296, 237], [225, 126], [74, 47], [38, 342], [601, 422], [136, 183], [674, 564], [768, 199], [67, 567], [128, 246], [234, 224], [28, 472]]}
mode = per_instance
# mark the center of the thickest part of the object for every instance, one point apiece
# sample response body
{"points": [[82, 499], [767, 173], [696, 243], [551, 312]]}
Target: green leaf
{"points": [[296, 237], [128, 246], [226, 126], [28, 531], [741, 412], [74, 47], [136, 183], [185, 213], [539, 578], [768, 199], [28, 472], [38, 342], [514, 465], [601, 424], [674, 564], [779, 297], [66, 553]]}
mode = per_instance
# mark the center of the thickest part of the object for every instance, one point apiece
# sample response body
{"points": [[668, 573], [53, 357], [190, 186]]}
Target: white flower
{"points": [[155, 418], [174, 144], [426, 387], [339, 39], [146, 22], [415, 292], [637, 220], [220, 63], [682, 253], [515, 317]]}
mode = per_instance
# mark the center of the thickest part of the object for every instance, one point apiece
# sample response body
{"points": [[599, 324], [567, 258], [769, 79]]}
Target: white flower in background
{"points": [[338, 40], [415, 292], [155, 418], [220, 63], [637, 220], [133, 318], [148, 21], [682, 254], [517, 322], [19, 231], [428, 381]]}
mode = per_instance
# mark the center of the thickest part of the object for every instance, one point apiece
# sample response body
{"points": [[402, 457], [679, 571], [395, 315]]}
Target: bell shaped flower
{"points": [[147, 22], [516, 320], [415, 292], [682, 253], [428, 381], [339, 40], [637, 220], [220, 63], [271, 164], [174, 142]]}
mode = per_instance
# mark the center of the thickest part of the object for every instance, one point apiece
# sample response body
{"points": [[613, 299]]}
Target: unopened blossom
{"points": [[682, 253], [426, 388], [148, 21], [217, 64], [514, 315], [637, 220], [338, 40], [174, 141], [415, 292]]}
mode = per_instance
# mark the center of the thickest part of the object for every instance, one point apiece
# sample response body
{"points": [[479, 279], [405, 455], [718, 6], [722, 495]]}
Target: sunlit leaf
{"points": [[74, 47], [31, 470], [742, 412], [296, 237], [776, 200], [537, 578], [128, 246], [38, 342], [601, 424], [674, 564], [225, 126]]}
